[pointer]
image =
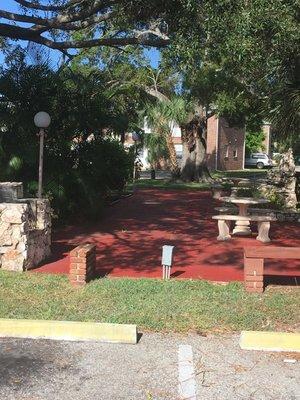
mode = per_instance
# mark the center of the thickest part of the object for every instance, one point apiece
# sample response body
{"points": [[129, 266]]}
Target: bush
{"points": [[100, 167], [254, 142], [78, 172]]}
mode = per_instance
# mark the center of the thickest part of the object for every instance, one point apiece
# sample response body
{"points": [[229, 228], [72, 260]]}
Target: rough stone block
{"points": [[5, 234], [22, 246], [15, 214], [12, 260]]}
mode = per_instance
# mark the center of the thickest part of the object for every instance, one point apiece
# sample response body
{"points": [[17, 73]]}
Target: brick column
{"points": [[254, 274], [82, 264]]}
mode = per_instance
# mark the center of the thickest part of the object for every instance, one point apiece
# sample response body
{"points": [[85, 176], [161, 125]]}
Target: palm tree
{"points": [[284, 104], [159, 119], [157, 150], [191, 118]]}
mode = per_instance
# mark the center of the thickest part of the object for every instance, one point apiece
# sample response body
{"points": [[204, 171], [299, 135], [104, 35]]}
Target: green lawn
{"points": [[176, 305], [244, 173], [167, 184]]}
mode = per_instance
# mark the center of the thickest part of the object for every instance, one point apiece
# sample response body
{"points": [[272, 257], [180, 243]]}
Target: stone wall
{"points": [[287, 216], [281, 183], [25, 233], [10, 191]]}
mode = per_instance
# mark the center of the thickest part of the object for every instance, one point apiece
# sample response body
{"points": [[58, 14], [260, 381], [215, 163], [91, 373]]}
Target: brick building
{"points": [[225, 145]]}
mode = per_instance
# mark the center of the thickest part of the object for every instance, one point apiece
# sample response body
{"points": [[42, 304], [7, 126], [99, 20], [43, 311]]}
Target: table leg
{"points": [[224, 230], [263, 232], [242, 228]]}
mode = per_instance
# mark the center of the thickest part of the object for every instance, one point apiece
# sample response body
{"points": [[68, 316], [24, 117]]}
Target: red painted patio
{"points": [[130, 236]]}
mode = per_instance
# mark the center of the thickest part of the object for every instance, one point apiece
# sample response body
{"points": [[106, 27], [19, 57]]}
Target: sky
{"points": [[9, 5]]}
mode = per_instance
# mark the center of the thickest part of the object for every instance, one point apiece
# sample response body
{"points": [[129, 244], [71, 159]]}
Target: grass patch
{"points": [[152, 304], [167, 184], [243, 173]]}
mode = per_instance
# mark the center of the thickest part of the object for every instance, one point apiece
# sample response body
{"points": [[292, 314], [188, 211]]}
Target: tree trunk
{"points": [[122, 138], [175, 170], [194, 167]]}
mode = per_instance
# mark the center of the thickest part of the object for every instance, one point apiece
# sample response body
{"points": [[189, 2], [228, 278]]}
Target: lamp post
{"points": [[42, 121]]}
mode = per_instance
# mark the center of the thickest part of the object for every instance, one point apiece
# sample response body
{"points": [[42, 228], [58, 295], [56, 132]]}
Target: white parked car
{"points": [[259, 160]]}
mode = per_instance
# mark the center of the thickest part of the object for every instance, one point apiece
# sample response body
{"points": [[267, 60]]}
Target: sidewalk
{"points": [[130, 237]]}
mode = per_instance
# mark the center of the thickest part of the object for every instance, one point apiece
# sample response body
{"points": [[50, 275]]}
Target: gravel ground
{"points": [[42, 370]]}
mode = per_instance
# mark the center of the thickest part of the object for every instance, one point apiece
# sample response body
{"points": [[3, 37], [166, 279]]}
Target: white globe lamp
{"points": [[42, 121]]}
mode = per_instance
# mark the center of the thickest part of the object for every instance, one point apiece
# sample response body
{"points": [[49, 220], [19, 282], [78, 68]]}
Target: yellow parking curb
{"points": [[68, 330], [270, 341]]}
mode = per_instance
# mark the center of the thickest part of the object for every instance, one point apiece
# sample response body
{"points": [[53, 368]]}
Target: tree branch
{"points": [[37, 6], [156, 93], [80, 44], [72, 26], [76, 15], [17, 32], [24, 18]]}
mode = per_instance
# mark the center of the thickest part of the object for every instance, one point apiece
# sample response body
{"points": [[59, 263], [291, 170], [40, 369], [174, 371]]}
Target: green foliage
{"points": [[162, 114], [158, 118], [252, 40], [81, 164], [157, 149], [100, 167], [276, 199], [254, 142], [242, 59]]}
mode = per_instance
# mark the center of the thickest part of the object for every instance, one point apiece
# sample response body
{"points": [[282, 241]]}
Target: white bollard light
{"points": [[167, 256]]}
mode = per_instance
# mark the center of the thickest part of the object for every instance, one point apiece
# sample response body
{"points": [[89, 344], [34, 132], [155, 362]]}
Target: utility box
{"points": [[167, 255], [166, 261]]}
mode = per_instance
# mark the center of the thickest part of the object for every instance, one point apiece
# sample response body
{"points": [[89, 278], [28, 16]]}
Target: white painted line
{"points": [[186, 374]]}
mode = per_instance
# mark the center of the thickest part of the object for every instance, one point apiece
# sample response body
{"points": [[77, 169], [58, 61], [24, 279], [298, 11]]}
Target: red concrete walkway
{"points": [[130, 236]]}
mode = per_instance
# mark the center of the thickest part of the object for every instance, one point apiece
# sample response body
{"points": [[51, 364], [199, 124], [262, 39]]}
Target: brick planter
{"points": [[254, 263], [82, 264], [254, 275]]}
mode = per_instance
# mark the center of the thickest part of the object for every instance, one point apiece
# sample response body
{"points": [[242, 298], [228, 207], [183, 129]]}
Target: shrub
{"points": [[78, 173], [99, 167]]}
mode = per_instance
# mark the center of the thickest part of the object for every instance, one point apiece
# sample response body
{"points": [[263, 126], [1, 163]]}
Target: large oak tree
{"points": [[247, 51], [75, 24]]}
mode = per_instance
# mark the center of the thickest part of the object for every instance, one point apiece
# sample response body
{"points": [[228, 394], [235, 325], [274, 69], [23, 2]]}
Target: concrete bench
{"points": [[254, 263], [263, 224], [226, 210]]}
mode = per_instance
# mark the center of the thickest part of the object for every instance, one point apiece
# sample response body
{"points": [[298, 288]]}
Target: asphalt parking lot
{"points": [[159, 367]]}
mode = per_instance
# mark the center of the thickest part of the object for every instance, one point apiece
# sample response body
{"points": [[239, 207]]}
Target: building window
{"points": [[235, 153], [226, 152]]}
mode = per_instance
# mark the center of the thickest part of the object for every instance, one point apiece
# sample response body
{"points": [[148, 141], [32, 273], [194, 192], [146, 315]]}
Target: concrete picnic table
{"points": [[243, 227]]}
